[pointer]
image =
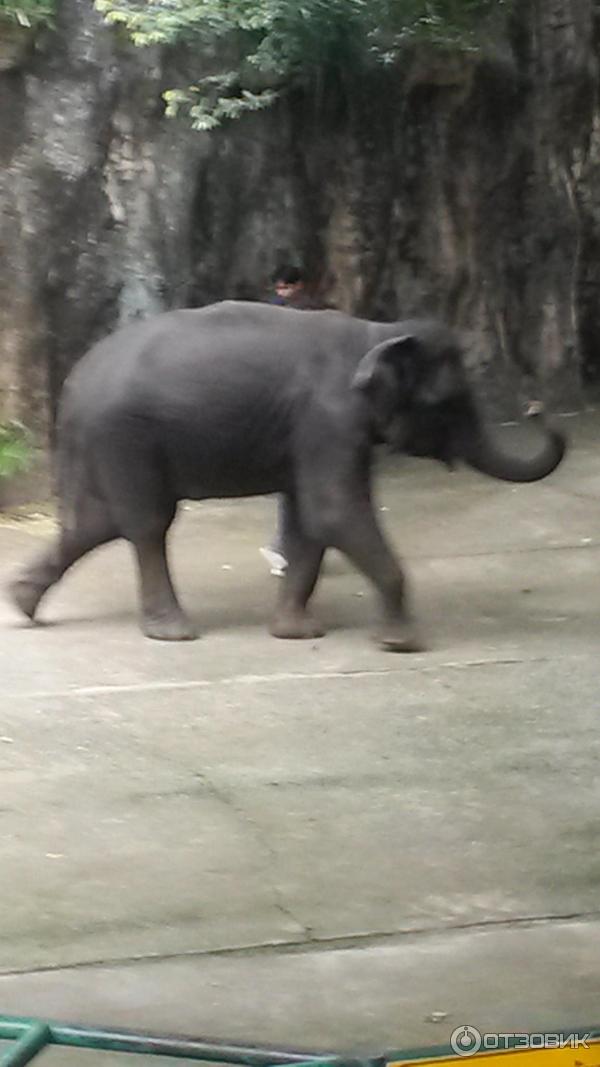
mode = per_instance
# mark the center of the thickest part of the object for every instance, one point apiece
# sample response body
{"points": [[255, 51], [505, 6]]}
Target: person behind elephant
{"points": [[289, 290]]}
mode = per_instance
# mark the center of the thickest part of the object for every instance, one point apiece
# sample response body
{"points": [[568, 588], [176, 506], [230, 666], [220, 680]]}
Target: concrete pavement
{"points": [[315, 844]]}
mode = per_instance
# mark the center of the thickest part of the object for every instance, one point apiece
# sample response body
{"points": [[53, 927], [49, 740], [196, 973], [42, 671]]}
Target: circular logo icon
{"points": [[466, 1041]]}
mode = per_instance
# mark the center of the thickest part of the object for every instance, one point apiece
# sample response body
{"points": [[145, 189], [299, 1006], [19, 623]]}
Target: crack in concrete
{"points": [[223, 797], [418, 663], [581, 494], [227, 800], [315, 943], [524, 551]]}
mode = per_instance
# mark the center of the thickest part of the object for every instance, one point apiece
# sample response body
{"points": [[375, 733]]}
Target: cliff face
{"points": [[96, 202], [463, 188]]}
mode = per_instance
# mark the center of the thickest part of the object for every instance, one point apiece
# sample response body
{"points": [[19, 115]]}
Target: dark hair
{"points": [[288, 274]]}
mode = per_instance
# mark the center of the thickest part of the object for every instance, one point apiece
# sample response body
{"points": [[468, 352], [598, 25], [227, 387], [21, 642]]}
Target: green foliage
{"points": [[282, 43], [27, 13], [15, 449], [207, 109]]}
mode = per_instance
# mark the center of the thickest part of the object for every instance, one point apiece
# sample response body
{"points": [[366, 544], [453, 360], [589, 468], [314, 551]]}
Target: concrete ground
{"points": [[314, 844]]}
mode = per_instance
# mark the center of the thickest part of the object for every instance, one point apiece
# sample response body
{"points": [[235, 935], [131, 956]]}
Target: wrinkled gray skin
{"points": [[239, 399]]}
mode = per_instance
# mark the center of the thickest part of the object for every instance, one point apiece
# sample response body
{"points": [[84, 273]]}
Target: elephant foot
{"points": [[296, 627], [400, 636], [175, 627], [25, 595]]}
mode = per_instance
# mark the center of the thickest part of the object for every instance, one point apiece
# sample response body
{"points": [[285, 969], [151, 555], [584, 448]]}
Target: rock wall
{"points": [[96, 199], [463, 187]]}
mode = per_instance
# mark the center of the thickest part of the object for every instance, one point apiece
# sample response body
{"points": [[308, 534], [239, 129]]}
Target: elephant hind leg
{"points": [[142, 501], [92, 528], [304, 557]]}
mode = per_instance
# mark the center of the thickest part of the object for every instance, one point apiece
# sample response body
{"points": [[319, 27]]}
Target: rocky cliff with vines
{"points": [[463, 185]]}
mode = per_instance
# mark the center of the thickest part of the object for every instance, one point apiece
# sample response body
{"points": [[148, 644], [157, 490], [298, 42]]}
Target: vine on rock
{"points": [[280, 44]]}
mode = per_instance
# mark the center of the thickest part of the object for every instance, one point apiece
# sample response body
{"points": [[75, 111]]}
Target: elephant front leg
{"points": [[292, 620], [162, 617], [360, 538]]}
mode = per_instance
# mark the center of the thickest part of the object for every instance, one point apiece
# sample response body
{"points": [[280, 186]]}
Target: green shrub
{"points": [[27, 13], [16, 451]]}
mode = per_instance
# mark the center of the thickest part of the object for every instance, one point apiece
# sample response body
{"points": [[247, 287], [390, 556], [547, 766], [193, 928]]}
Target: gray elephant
{"points": [[239, 399]]}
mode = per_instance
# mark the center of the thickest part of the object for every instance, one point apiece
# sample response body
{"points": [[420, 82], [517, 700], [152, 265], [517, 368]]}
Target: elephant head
{"points": [[420, 403]]}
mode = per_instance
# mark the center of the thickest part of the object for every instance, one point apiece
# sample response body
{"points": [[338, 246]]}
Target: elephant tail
{"points": [[71, 474]]}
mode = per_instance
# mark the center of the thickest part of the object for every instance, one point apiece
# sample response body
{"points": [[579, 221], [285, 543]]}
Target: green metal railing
{"points": [[31, 1036]]}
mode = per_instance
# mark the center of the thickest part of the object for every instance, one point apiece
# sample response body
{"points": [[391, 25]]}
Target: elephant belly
{"points": [[201, 473]]}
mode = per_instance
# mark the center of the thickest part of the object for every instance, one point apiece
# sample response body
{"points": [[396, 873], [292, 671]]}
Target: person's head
{"points": [[288, 282]]}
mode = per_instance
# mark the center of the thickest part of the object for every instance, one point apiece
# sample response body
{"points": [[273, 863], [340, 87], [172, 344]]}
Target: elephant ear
{"points": [[388, 376], [396, 356]]}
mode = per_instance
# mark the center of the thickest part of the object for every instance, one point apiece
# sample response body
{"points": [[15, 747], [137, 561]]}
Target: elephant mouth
{"points": [[443, 454], [438, 444]]}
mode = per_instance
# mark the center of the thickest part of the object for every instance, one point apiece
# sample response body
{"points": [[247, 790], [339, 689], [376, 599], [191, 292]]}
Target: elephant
{"points": [[239, 399]]}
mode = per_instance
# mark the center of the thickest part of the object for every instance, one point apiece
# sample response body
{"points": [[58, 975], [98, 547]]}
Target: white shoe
{"points": [[277, 562]]}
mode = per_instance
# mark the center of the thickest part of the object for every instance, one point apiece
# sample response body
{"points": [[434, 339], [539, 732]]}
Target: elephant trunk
{"points": [[484, 451]]}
